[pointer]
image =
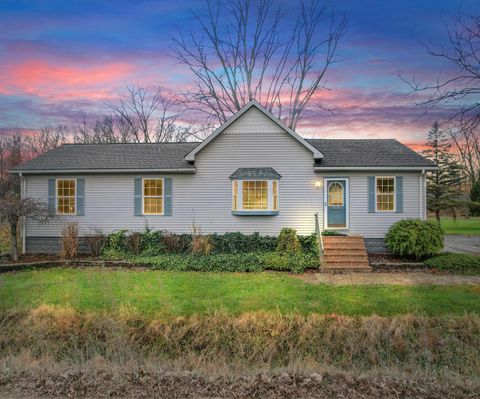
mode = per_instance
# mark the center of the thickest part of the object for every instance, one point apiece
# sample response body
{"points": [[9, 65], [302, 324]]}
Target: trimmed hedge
{"points": [[456, 263], [248, 262], [415, 238], [157, 242]]}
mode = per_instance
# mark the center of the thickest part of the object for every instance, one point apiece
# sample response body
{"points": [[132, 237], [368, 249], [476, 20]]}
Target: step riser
{"points": [[359, 270], [345, 254], [345, 260]]}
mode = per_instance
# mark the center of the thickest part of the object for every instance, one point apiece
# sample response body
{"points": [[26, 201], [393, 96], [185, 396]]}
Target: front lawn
{"points": [[171, 294], [470, 226]]}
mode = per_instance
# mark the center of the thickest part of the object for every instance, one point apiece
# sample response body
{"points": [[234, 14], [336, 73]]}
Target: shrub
{"points": [[309, 244], [242, 243], [249, 262], [174, 243], [133, 242], [70, 241], [456, 263], [116, 241], [201, 245], [152, 243], [415, 238], [95, 243], [296, 263], [288, 242]]}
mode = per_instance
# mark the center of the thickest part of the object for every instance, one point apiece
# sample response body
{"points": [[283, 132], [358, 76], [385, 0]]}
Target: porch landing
{"points": [[344, 254]]}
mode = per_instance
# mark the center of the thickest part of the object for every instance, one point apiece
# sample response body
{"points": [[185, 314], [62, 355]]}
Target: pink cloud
{"points": [[60, 82]]}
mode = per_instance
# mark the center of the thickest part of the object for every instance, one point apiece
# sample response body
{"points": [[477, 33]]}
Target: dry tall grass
{"points": [[69, 241], [256, 341]]}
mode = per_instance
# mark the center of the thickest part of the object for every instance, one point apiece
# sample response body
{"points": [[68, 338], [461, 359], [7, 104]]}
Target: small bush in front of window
{"points": [[288, 242], [69, 241], [95, 243], [152, 242], [415, 238]]}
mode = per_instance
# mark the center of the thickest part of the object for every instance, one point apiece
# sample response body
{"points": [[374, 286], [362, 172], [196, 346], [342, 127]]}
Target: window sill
{"points": [[255, 213]]}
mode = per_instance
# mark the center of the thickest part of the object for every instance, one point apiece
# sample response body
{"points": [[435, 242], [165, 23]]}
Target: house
{"points": [[252, 174]]}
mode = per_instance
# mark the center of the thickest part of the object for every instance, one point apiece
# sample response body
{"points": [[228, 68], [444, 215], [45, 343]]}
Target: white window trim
{"points": [[394, 194], [155, 196], [269, 196], [347, 203], [63, 196]]}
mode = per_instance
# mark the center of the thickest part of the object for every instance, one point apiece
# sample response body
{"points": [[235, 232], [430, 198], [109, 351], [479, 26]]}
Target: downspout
{"points": [[423, 195], [23, 189]]}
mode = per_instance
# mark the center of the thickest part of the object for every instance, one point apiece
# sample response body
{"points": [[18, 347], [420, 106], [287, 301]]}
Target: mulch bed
{"points": [[396, 264]]}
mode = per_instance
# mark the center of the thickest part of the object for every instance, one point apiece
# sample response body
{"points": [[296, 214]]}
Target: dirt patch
{"points": [[418, 278], [141, 384]]}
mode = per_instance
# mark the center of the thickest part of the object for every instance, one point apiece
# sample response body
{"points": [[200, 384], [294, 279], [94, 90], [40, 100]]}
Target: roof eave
{"points": [[374, 168], [97, 171]]}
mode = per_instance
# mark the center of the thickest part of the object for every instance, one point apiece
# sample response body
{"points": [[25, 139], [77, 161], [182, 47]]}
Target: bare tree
{"points": [[459, 90], [249, 49], [48, 138], [12, 208]]}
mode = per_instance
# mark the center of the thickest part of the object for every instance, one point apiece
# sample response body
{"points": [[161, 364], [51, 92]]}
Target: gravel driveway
{"points": [[460, 243]]}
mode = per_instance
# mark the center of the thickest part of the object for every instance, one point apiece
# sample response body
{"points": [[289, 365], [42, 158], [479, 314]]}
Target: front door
{"points": [[336, 204]]}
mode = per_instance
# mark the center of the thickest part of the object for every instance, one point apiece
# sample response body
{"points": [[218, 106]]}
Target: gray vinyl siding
{"points": [[204, 198]]}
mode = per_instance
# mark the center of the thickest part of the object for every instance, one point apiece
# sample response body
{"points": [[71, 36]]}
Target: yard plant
{"points": [[456, 263], [415, 238]]}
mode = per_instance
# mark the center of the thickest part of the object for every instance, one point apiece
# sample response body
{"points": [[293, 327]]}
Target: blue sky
{"points": [[61, 59]]}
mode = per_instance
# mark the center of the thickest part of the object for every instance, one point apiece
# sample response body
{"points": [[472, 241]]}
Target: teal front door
{"points": [[336, 204]]}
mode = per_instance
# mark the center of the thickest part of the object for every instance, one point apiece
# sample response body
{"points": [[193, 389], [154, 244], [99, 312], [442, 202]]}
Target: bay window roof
{"points": [[255, 174]]}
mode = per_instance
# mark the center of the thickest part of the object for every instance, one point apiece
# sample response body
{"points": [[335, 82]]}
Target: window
{"points": [[235, 196], [385, 194], [66, 190], [275, 195], [153, 196], [255, 195], [335, 194]]}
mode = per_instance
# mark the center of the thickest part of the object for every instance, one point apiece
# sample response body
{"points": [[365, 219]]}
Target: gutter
{"points": [[372, 168], [100, 171]]}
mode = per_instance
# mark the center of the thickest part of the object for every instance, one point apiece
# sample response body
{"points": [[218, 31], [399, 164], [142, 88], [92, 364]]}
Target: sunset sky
{"points": [[61, 59]]}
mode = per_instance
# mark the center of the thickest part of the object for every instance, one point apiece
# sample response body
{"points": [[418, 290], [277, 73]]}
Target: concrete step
{"points": [[345, 263], [343, 239], [346, 269], [336, 258], [347, 247], [346, 252]]}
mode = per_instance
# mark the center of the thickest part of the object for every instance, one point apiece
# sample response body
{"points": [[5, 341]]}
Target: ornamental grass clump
{"points": [[69, 241], [415, 238]]}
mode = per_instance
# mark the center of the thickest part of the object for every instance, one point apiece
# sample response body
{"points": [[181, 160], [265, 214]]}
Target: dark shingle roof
{"points": [[112, 156], [367, 152], [255, 173], [166, 156]]}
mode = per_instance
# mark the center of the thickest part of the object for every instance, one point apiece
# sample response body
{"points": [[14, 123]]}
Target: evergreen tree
{"points": [[443, 184]]}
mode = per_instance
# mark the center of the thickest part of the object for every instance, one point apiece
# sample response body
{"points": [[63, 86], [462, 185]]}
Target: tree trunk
{"points": [[13, 241], [437, 215], [454, 214]]}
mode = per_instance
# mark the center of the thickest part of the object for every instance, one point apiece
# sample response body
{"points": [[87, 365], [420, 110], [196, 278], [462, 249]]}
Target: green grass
{"points": [[172, 294], [469, 226]]}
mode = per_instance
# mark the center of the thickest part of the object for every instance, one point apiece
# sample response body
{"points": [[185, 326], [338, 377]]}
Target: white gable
{"points": [[253, 118]]}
